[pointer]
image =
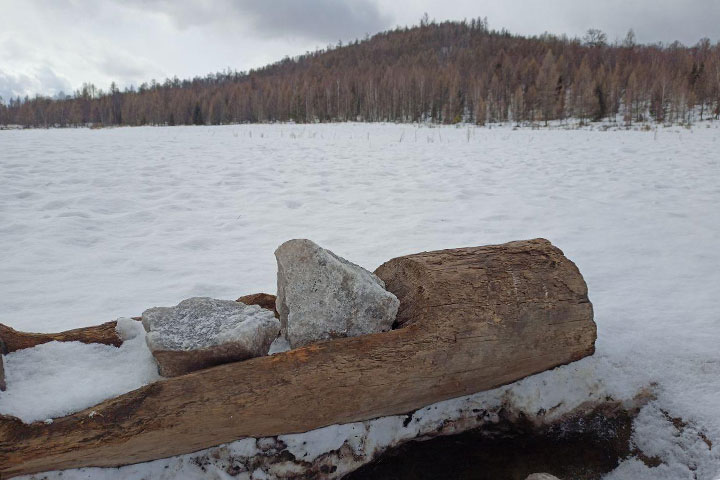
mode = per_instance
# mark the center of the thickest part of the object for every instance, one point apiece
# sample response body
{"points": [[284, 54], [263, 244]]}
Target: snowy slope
{"points": [[105, 223]]}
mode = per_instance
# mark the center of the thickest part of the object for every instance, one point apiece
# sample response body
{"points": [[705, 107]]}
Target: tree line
{"points": [[445, 72]]}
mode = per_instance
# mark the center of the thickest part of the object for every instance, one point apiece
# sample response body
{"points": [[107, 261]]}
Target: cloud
{"points": [[52, 45], [320, 20], [324, 20], [124, 67], [42, 79]]}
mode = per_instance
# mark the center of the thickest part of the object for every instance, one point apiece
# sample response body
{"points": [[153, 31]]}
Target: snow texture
{"points": [[58, 378], [104, 223], [203, 322], [321, 296]]}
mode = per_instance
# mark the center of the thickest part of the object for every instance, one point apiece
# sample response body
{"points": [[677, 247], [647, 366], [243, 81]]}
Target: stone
{"points": [[542, 476], [322, 296], [3, 350], [265, 300], [2, 375], [279, 345], [201, 332]]}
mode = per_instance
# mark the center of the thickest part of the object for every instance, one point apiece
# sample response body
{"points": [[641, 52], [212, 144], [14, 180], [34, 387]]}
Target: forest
{"points": [[447, 72]]}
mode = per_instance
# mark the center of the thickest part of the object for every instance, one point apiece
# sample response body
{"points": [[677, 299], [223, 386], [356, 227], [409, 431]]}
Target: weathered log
{"points": [[15, 340], [265, 300], [510, 282], [515, 310], [105, 333]]}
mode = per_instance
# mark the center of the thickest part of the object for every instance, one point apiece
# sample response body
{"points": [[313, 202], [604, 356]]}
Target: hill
{"points": [[438, 72]]}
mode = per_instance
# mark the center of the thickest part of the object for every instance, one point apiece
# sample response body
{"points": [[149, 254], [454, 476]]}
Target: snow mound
{"points": [[59, 378]]}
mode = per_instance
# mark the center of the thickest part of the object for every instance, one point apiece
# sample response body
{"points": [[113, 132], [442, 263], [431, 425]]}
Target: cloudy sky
{"points": [[48, 46]]}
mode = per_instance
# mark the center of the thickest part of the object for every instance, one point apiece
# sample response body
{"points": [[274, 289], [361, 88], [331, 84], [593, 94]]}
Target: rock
{"points": [[322, 296], [3, 350], [265, 300], [279, 345], [201, 332], [2, 375], [542, 476]]}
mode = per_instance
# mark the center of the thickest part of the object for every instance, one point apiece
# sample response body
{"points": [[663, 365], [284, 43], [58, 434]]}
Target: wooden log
{"points": [[513, 310], [265, 300], [15, 340]]}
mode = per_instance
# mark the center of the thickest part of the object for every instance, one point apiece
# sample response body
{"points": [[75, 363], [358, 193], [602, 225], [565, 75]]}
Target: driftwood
{"points": [[513, 310], [265, 300], [15, 340]]}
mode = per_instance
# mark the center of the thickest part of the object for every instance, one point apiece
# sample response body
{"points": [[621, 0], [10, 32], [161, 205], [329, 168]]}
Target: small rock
{"points": [[2, 375], [3, 350], [279, 345], [541, 476], [201, 332], [322, 296]]}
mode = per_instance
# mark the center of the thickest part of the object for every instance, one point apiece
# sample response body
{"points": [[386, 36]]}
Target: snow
{"points": [[58, 378], [105, 223]]}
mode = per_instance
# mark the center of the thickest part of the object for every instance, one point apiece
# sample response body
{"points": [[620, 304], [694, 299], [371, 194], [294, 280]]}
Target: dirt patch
{"points": [[582, 448]]}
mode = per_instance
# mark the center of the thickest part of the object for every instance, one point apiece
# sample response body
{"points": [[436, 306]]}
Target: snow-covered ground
{"points": [[98, 224]]}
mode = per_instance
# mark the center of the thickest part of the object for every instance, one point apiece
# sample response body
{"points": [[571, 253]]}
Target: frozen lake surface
{"points": [[98, 224]]}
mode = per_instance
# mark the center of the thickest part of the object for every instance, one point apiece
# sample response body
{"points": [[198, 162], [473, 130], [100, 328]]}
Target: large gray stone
{"points": [[322, 296], [542, 476], [201, 332]]}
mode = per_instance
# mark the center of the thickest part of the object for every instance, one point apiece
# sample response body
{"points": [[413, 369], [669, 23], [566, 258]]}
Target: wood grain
{"points": [[15, 340], [474, 319]]}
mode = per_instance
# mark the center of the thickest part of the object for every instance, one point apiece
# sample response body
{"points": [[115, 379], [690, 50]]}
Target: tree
{"points": [[584, 91], [197, 116], [547, 82], [439, 72], [595, 38], [629, 41]]}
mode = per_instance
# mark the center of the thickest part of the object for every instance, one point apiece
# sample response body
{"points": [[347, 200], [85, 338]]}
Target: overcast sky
{"points": [[47, 46]]}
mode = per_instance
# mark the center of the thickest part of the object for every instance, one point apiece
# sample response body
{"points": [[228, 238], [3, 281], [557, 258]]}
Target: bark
{"points": [[265, 300], [15, 340], [507, 311]]}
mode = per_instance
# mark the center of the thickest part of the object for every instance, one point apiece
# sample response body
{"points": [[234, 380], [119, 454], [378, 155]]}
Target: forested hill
{"points": [[446, 73]]}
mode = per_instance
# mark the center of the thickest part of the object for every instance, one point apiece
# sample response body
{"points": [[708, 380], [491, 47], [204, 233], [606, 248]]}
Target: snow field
{"points": [[100, 224]]}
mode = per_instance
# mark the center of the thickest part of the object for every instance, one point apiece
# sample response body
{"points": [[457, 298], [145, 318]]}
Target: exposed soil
{"points": [[582, 448]]}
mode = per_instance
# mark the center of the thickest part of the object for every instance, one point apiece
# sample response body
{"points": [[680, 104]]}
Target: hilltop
{"points": [[446, 72]]}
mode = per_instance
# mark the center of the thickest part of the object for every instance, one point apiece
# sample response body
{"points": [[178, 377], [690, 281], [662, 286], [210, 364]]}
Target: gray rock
{"points": [[322, 296], [279, 345], [201, 332], [541, 476], [2, 375]]}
